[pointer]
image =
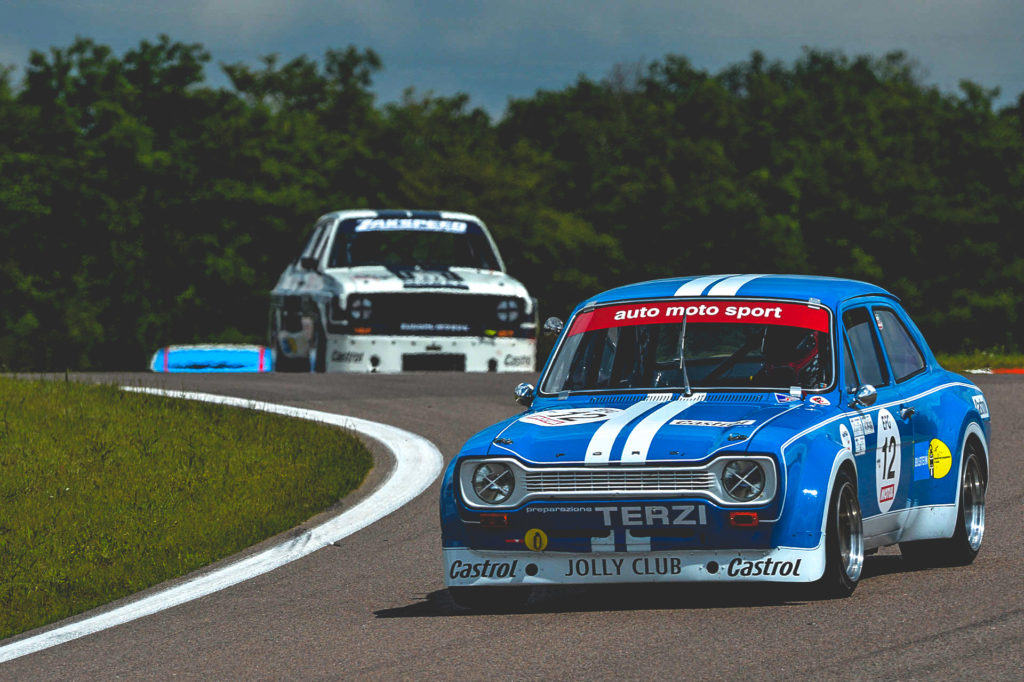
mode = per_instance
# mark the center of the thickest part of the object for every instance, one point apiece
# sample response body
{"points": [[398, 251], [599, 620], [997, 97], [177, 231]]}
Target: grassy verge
{"points": [[959, 362], [104, 493]]}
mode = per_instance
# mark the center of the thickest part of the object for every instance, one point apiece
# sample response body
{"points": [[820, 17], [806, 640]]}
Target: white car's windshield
{"points": [[733, 344], [410, 242]]}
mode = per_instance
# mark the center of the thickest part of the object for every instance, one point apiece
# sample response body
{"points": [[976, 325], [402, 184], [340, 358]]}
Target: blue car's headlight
{"points": [[743, 479], [493, 482]]}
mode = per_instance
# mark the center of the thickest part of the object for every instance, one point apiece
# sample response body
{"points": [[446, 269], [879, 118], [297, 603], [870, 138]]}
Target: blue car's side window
{"points": [[867, 354], [904, 355]]}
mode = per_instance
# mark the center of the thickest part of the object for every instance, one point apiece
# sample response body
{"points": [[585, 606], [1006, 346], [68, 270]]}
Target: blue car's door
{"points": [[932, 459], [882, 432]]}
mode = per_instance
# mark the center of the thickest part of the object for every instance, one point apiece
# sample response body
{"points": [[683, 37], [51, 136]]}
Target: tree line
{"points": [[141, 206]]}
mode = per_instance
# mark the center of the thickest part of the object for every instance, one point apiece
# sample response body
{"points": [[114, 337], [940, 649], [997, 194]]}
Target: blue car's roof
{"points": [[830, 291]]}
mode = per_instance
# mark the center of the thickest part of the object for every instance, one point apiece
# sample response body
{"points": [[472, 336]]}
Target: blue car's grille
{"points": [[648, 481]]}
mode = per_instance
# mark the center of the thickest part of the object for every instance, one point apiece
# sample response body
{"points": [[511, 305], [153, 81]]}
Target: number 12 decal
{"points": [[887, 460]]}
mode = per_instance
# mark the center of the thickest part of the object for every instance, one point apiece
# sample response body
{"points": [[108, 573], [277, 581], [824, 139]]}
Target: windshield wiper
{"points": [[682, 357]]}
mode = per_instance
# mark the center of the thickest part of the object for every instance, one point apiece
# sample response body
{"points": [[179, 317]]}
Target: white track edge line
{"points": [[418, 463]]}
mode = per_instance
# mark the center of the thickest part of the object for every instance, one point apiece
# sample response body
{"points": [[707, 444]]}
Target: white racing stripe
{"points": [[695, 287], [599, 449], [417, 463], [635, 544], [638, 444], [729, 287]]}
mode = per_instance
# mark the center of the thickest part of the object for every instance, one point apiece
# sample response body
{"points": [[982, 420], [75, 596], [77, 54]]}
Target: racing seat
{"points": [[790, 356]]}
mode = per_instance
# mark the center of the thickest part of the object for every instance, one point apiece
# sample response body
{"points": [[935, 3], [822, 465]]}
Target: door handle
{"points": [[907, 412]]}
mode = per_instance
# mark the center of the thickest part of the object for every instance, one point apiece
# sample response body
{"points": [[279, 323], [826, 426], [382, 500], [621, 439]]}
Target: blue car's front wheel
{"points": [[844, 540]]}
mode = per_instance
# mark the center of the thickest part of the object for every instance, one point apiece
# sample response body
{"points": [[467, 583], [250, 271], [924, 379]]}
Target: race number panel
{"points": [[887, 460]]}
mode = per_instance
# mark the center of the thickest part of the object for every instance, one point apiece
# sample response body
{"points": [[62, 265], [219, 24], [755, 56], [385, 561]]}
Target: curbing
{"points": [[997, 370], [418, 463]]}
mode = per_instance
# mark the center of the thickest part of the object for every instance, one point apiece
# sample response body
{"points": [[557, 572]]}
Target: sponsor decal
{"points": [[482, 569], [549, 510], [783, 314], [616, 566], [710, 422], [570, 416], [981, 405], [338, 356], [536, 540], [654, 515], [887, 460], [415, 278], [742, 567], [819, 400], [921, 471], [785, 398], [415, 224], [518, 361], [940, 459], [433, 327], [857, 424], [862, 426], [845, 439]]}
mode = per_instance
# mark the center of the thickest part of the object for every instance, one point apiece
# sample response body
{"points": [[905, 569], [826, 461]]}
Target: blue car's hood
{"points": [[664, 431]]}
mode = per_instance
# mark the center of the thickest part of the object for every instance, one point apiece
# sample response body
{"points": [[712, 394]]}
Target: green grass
{"points": [[104, 493], [988, 359]]}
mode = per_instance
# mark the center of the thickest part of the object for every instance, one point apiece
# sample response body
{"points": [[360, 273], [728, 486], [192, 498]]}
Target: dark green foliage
{"points": [[141, 207]]}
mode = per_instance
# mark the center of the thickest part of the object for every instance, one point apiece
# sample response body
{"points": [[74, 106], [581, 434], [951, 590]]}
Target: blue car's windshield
{"points": [[734, 344]]}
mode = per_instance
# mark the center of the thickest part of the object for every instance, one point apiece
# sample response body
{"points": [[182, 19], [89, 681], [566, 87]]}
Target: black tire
{"points": [[490, 599], [283, 363], [960, 549], [844, 541], [319, 363]]}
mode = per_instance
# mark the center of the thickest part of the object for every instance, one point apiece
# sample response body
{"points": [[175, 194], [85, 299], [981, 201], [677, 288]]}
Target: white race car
{"points": [[393, 291]]}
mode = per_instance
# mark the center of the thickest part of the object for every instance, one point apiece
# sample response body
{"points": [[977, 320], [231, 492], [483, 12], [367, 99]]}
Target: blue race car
{"points": [[725, 428]]}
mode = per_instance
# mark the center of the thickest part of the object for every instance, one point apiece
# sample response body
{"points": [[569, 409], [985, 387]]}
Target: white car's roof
{"points": [[366, 213]]}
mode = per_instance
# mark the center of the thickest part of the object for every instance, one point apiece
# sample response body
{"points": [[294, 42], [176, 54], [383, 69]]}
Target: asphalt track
{"points": [[373, 605]]}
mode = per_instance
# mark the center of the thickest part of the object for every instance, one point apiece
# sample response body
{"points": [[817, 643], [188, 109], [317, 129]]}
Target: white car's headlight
{"points": [[360, 308], [743, 479], [493, 482], [508, 310]]}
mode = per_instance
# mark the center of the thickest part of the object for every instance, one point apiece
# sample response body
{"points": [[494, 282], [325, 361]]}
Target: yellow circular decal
{"points": [[939, 458], [536, 540]]}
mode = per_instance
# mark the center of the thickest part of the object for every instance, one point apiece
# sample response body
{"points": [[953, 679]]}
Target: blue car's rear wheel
{"points": [[844, 540], [960, 549]]}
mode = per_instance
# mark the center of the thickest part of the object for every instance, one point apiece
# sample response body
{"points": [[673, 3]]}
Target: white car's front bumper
{"points": [[388, 354]]}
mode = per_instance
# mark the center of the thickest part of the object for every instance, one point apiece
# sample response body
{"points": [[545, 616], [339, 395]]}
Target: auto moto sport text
{"points": [[782, 314]]}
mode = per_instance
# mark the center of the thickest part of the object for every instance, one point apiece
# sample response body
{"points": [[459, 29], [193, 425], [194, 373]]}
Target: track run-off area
{"points": [[371, 603]]}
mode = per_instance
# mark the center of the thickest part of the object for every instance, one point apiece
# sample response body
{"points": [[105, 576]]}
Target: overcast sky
{"points": [[497, 49]]}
